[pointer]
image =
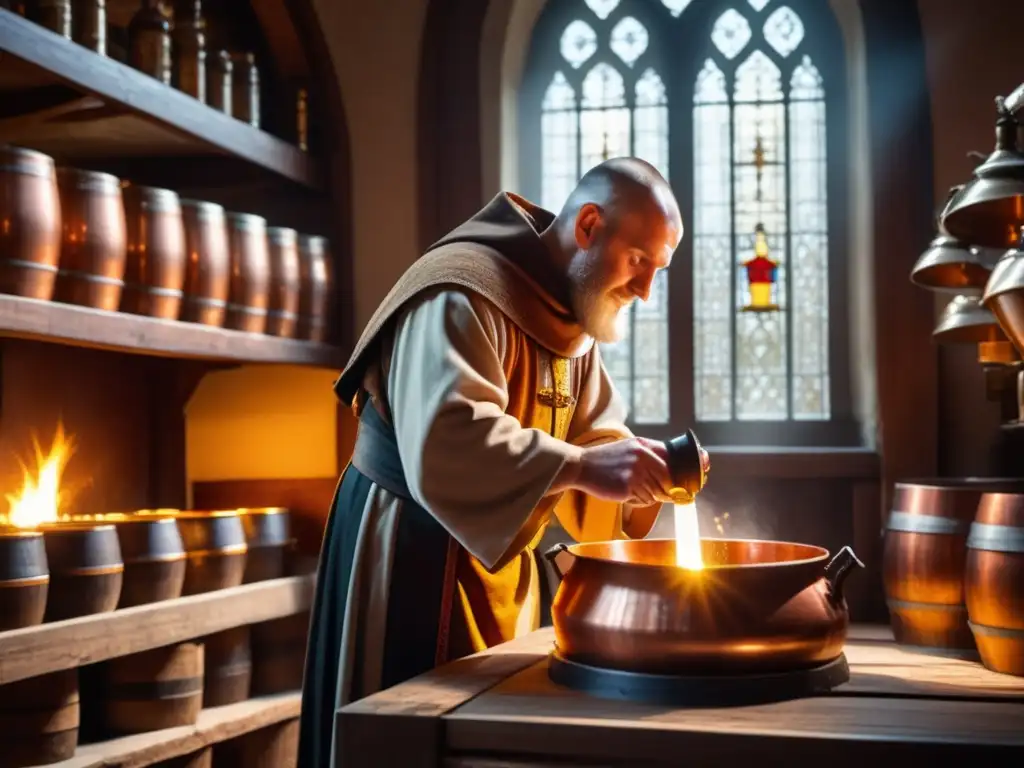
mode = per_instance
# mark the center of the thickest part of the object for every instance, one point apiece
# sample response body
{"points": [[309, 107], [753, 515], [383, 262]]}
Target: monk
{"points": [[484, 409]]}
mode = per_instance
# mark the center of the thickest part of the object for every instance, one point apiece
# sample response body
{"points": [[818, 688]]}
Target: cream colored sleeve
{"points": [[471, 465], [600, 417]]}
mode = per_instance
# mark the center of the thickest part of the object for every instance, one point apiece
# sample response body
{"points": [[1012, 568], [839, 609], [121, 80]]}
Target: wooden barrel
{"points": [[24, 578], [276, 746], [208, 271], [250, 273], [923, 561], [155, 268], [94, 243], [994, 582], [39, 720], [228, 662], [215, 550], [153, 690], [31, 233], [86, 569], [279, 654], [285, 282], [154, 559], [268, 536], [316, 286]]}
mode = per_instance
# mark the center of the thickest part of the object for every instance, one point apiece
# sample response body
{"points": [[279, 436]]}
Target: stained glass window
{"points": [[760, 366], [757, 130]]}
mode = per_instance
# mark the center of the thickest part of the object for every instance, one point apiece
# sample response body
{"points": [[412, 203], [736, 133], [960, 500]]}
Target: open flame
{"points": [[688, 554], [41, 499]]}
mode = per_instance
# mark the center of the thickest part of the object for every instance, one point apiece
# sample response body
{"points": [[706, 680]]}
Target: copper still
{"points": [[95, 239], [30, 228], [155, 268]]}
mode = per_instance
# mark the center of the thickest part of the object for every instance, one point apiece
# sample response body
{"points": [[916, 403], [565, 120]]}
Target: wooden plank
{"points": [[214, 726], [178, 113], [402, 726], [89, 639], [51, 321], [528, 716]]}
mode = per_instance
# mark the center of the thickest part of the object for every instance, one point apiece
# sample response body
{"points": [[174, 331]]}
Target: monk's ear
{"points": [[589, 221]]}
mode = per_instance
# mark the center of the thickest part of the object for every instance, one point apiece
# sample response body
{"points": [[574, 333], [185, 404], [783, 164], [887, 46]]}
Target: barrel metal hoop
{"points": [[905, 522], [999, 633], [996, 538], [905, 605]]}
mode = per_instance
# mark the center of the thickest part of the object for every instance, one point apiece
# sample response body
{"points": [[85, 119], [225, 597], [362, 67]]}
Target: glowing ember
{"points": [[41, 498], [688, 554]]}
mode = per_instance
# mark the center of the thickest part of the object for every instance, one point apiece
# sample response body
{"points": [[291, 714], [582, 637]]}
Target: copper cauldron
{"points": [[755, 607]]}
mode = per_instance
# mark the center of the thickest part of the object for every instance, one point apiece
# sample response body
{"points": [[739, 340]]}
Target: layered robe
{"points": [[473, 386]]}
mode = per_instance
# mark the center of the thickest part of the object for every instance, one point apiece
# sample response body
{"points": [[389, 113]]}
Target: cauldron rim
{"points": [[578, 551]]}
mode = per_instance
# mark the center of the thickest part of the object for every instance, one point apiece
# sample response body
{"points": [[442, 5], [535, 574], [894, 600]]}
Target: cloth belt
{"points": [[376, 453]]}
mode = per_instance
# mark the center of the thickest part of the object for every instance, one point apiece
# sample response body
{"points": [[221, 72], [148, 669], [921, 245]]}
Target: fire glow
{"points": [[41, 498], [688, 554]]}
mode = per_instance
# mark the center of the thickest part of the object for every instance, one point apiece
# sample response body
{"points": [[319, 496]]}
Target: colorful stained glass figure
{"points": [[762, 276]]}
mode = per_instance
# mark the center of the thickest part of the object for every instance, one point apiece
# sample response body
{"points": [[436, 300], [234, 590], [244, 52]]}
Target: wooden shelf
{"points": [[215, 725], [73, 643], [77, 326], [130, 113]]}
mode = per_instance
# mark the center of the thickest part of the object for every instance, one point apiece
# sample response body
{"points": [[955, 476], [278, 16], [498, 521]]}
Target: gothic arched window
{"points": [[740, 104]]}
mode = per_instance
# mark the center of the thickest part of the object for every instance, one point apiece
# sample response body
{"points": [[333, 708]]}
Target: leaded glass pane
{"points": [[604, 119], [578, 43], [629, 40], [809, 221], [759, 118], [559, 142], [676, 7], [712, 254], [731, 33], [784, 31], [650, 121], [758, 5], [602, 8]]}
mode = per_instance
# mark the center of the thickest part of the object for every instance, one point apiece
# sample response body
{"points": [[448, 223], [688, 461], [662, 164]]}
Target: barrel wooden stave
{"points": [[228, 667], [924, 556], [279, 654], [154, 559], [153, 690], [994, 582], [39, 720], [268, 538], [215, 548]]}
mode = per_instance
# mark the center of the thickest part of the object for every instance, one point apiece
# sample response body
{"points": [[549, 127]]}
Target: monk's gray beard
{"points": [[603, 318]]}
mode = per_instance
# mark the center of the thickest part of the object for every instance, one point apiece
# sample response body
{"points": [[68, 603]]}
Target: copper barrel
{"points": [[994, 582], [923, 560], [95, 240], [250, 273], [208, 269], [155, 269], [86, 570], [285, 282], [316, 287], [24, 578], [29, 223]]}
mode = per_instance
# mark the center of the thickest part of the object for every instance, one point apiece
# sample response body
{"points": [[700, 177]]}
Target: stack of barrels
{"points": [[88, 238], [953, 569]]}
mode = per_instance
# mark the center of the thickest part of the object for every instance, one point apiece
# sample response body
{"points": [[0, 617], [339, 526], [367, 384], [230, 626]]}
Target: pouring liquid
{"points": [[684, 513]]}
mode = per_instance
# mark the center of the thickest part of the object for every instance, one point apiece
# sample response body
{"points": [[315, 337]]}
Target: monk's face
{"points": [[620, 250]]}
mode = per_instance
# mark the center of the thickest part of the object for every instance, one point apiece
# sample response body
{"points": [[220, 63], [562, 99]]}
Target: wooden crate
{"points": [[498, 709]]}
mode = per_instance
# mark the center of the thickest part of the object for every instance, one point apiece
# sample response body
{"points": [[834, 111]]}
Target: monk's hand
{"points": [[631, 471]]}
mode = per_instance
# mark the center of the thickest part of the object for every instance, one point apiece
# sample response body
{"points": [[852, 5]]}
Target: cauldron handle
{"points": [[561, 559], [838, 570]]}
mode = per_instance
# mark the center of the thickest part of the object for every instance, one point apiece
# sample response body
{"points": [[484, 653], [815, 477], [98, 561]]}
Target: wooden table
{"points": [[498, 709]]}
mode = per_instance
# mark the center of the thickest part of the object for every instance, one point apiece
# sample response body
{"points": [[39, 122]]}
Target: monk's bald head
{"points": [[620, 226]]}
